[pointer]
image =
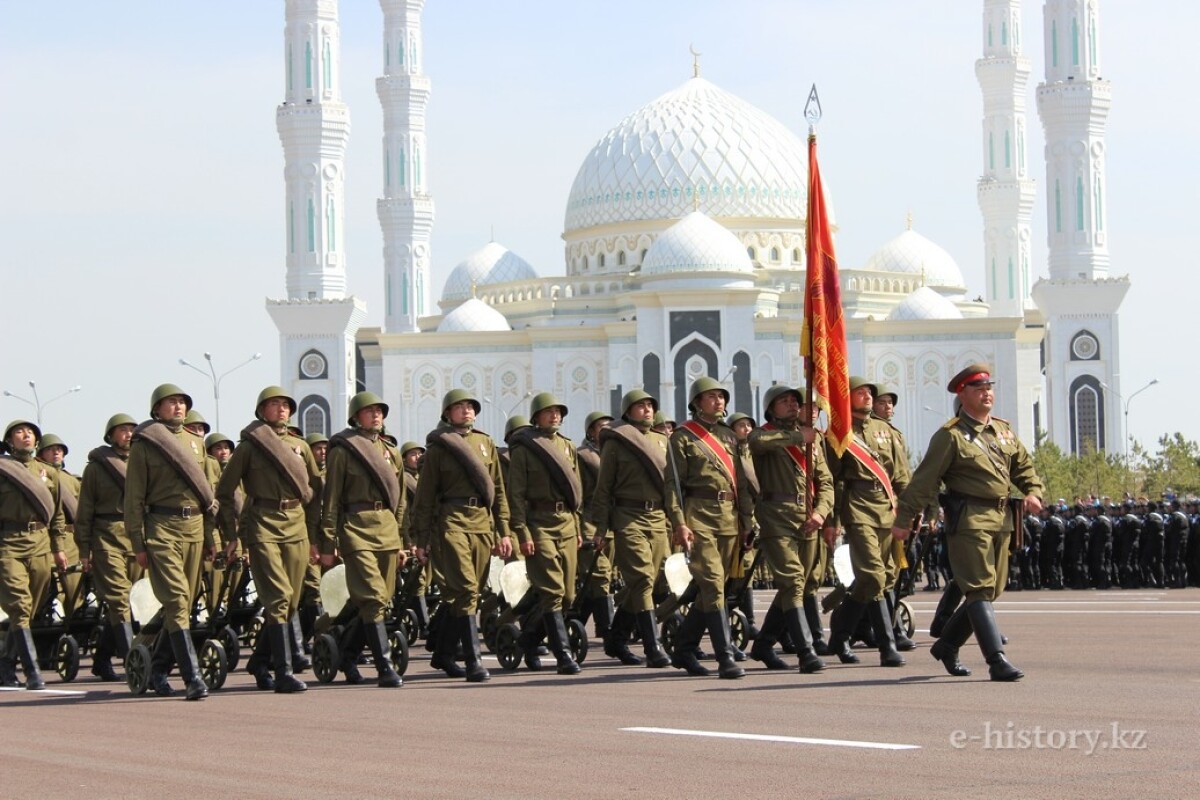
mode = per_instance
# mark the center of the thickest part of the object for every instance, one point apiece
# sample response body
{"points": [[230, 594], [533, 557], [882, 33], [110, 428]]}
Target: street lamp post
{"points": [[1128, 434], [36, 402], [216, 379]]}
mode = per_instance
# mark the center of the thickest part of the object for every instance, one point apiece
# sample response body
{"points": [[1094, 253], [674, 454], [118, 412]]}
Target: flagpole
{"points": [[812, 113]]}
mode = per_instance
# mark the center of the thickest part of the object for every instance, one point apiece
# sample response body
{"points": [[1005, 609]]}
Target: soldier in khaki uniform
{"points": [[105, 550], [412, 454], [170, 512], [310, 595], [363, 508], [710, 511], [32, 528], [627, 510], [544, 500], [789, 473], [883, 408], [980, 461], [598, 590], [279, 475], [462, 514], [867, 478], [53, 451]]}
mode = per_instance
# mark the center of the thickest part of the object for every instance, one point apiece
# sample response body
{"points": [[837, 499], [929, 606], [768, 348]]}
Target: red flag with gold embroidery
{"points": [[823, 340]]}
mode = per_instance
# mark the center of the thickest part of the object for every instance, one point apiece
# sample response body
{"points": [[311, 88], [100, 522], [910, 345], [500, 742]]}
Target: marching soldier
{"points": [[462, 513], [363, 509], [220, 447], [105, 550], [868, 477], [1053, 531], [597, 590], [627, 510], [32, 542], [1099, 547], [788, 530], [170, 511], [979, 459], [196, 423], [411, 454], [545, 496], [710, 516], [1151, 546], [279, 475], [1174, 547], [53, 451], [884, 408], [663, 424], [742, 425], [310, 595]]}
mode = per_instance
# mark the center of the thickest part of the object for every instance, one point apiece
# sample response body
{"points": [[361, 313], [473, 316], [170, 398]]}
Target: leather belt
{"points": [[551, 506], [782, 497], [997, 503], [175, 511], [465, 502], [278, 505], [723, 496], [357, 508], [109, 517], [863, 485], [643, 505], [9, 526]]}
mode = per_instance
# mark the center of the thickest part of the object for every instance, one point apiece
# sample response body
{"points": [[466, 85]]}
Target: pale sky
{"points": [[142, 219]]}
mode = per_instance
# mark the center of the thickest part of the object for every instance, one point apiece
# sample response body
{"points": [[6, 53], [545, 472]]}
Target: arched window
{"points": [[774, 255], [314, 415], [330, 227], [1074, 42], [308, 65], [401, 170], [327, 57], [1079, 203], [1098, 205], [751, 253], [797, 257], [621, 259], [1054, 43], [1087, 416], [312, 227], [600, 261]]}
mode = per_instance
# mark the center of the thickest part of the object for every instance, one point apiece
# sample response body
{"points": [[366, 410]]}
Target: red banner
{"points": [[823, 340]]}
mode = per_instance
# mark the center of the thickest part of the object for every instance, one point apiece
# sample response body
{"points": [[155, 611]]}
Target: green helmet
{"points": [[316, 438], [857, 382], [409, 446], [702, 385], [116, 420], [593, 418], [774, 393], [269, 392], [217, 438], [543, 400], [636, 396], [363, 400], [738, 417], [457, 396], [49, 440], [194, 418], [168, 390], [883, 390], [515, 424], [16, 423]]}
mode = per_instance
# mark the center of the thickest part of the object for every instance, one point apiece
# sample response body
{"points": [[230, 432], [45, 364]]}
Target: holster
{"points": [[953, 506], [1015, 506]]}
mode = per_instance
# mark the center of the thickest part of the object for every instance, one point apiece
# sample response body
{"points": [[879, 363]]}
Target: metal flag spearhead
{"points": [[812, 108]]}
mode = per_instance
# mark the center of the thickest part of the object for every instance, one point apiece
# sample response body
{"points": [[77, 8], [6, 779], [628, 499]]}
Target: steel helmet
{"points": [[457, 396], [363, 400], [116, 420], [269, 392], [166, 390], [49, 440], [702, 385], [543, 400]]}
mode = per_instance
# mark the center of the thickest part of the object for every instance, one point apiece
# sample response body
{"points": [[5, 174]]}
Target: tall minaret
{"points": [[406, 208], [317, 323], [1079, 301], [1005, 190]]}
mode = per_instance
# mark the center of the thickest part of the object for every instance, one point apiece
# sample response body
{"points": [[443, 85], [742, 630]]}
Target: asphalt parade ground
{"points": [[1109, 707]]}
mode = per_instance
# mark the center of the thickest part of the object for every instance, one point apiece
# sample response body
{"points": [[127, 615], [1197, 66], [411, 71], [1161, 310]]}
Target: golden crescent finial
{"points": [[695, 60]]}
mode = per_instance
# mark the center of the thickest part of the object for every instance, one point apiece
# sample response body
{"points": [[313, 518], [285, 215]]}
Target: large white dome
{"points": [[923, 304], [696, 244], [911, 253], [697, 147], [492, 263], [473, 315]]}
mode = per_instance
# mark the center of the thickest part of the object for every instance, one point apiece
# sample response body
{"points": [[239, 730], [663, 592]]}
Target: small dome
{"points": [[924, 303], [696, 244], [912, 254], [473, 315], [492, 263]]}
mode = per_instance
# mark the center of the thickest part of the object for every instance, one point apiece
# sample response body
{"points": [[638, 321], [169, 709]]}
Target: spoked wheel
{"points": [[507, 649], [739, 629], [233, 646], [214, 668], [669, 635], [490, 623], [137, 669], [253, 629], [399, 642], [326, 658], [904, 617], [577, 640], [93, 639], [66, 657], [410, 625]]}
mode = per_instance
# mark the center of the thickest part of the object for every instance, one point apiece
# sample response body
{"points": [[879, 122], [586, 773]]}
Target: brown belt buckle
{"points": [[722, 496], [648, 505], [472, 502], [185, 512]]}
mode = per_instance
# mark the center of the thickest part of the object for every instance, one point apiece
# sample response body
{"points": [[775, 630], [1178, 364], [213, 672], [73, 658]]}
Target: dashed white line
{"points": [[762, 737], [41, 691]]}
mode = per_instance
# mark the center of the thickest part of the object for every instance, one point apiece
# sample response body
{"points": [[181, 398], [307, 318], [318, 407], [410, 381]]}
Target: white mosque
{"points": [[684, 252]]}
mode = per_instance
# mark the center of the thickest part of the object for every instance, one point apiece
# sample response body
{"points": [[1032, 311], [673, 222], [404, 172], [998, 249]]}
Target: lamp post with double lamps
{"points": [[216, 379]]}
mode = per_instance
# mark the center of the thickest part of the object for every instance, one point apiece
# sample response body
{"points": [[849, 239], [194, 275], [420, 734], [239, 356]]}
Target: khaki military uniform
{"points": [[27, 543], [895, 563], [781, 511], [600, 583], [100, 536], [539, 512], [310, 592], [979, 463], [358, 523], [164, 519], [714, 507], [275, 526], [452, 520], [69, 583]]}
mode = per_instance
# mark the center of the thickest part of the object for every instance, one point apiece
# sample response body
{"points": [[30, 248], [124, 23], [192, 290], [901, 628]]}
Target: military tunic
{"points": [[26, 544], [979, 462], [100, 535], [451, 519], [600, 583]]}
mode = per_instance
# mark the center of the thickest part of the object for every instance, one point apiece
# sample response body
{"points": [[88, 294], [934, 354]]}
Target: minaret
{"points": [[1079, 301], [1005, 190], [406, 208], [317, 323]]}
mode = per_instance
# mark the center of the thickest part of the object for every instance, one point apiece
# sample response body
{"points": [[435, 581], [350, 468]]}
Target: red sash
{"points": [[713, 444], [865, 458], [792, 450]]}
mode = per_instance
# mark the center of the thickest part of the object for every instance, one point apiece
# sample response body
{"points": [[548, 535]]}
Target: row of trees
{"points": [[1174, 468]]}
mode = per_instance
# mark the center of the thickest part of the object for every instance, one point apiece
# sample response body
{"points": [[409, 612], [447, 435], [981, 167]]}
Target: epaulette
{"points": [[1001, 419], [950, 423]]}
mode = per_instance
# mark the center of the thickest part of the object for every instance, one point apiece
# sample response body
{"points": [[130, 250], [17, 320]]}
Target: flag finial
{"points": [[812, 109], [695, 60]]}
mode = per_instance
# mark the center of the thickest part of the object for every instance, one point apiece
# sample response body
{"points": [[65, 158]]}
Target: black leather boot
{"points": [[949, 601], [842, 623], [797, 625], [421, 608], [881, 623], [280, 635], [123, 638], [441, 620], [27, 652], [443, 638], [160, 665], [308, 625], [381, 652], [469, 636], [764, 644], [812, 615], [602, 612], [687, 641], [189, 667], [102, 657], [8, 662], [300, 662], [656, 657], [616, 644], [983, 620], [746, 604], [955, 633], [903, 643], [718, 631], [556, 637], [352, 642], [533, 630], [259, 662]]}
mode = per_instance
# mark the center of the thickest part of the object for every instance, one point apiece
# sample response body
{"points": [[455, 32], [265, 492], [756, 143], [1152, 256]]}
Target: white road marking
{"points": [[760, 737], [41, 691]]}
